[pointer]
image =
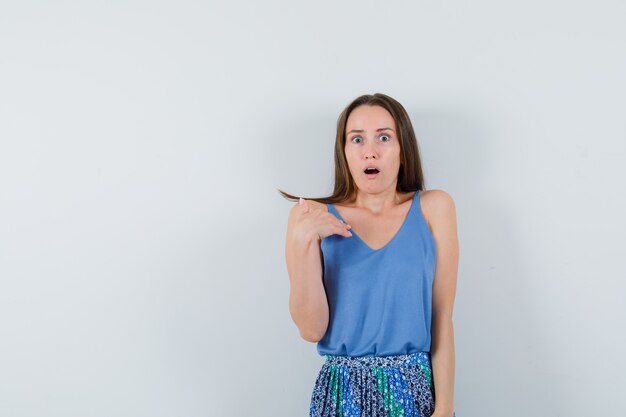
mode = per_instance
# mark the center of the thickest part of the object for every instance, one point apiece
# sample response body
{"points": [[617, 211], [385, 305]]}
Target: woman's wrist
{"points": [[439, 412]]}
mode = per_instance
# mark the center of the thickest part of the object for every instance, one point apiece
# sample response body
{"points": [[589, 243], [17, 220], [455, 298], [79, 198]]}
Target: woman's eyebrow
{"points": [[378, 130]]}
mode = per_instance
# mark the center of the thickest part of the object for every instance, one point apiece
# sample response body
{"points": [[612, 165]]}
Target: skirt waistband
{"points": [[394, 361]]}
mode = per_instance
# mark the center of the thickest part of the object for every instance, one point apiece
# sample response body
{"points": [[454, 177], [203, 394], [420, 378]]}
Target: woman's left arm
{"points": [[442, 218]]}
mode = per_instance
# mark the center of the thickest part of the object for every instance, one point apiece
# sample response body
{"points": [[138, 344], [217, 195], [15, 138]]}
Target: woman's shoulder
{"points": [[317, 205], [314, 205], [437, 206], [437, 198]]}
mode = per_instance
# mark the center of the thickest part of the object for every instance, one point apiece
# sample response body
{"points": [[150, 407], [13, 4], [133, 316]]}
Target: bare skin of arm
{"points": [[441, 212], [308, 223]]}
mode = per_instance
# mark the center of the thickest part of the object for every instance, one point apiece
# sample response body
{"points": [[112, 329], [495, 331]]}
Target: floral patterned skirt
{"points": [[374, 386]]}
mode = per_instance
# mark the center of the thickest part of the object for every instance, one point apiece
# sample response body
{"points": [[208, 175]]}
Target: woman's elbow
{"points": [[312, 336]]}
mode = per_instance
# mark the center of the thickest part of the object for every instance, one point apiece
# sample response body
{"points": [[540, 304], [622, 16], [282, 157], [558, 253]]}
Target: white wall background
{"points": [[142, 267]]}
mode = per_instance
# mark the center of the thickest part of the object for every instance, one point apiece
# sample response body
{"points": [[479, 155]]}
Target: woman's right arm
{"points": [[308, 304], [307, 298]]}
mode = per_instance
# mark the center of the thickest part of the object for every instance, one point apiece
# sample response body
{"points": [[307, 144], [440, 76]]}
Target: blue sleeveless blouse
{"points": [[380, 301]]}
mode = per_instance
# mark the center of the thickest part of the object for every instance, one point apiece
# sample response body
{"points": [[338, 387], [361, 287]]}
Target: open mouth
{"points": [[371, 172]]}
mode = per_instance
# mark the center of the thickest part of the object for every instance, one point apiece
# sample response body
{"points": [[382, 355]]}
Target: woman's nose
{"points": [[370, 152]]}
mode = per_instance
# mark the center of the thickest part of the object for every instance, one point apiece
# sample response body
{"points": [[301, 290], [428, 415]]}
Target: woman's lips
{"points": [[371, 172]]}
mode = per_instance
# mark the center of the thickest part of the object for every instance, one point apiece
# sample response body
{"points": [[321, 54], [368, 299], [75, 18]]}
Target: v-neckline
{"points": [[404, 222]]}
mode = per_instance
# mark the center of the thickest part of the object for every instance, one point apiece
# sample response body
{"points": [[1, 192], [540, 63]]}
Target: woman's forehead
{"points": [[365, 118]]}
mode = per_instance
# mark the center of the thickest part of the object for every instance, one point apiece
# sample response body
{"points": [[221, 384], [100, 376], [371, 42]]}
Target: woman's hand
{"points": [[318, 224], [442, 414]]}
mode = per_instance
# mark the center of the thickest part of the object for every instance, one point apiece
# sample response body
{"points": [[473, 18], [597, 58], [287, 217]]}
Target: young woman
{"points": [[373, 273]]}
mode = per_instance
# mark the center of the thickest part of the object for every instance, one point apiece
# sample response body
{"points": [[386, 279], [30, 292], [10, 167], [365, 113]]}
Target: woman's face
{"points": [[372, 141]]}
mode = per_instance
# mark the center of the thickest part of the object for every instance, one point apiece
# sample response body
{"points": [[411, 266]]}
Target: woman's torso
{"points": [[379, 284]]}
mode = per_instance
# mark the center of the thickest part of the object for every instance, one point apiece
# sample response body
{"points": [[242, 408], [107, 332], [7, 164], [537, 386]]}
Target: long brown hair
{"points": [[410, 176]]}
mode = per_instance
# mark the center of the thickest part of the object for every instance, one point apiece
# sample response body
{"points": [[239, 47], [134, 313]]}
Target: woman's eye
{"points": [[358, 139]]}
